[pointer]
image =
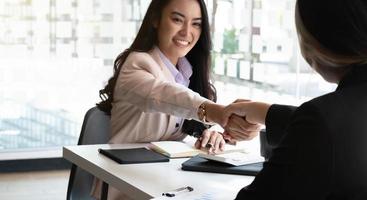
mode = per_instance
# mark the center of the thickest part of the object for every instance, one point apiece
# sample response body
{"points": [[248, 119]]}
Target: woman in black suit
{"points": [[320, 147]]}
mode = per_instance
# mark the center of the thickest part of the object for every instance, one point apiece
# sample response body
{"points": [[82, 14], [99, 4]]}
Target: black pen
{"points": [[209, 145]]}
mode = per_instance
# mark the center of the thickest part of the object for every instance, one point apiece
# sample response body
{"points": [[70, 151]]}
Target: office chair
{"points": [[95, 130]]}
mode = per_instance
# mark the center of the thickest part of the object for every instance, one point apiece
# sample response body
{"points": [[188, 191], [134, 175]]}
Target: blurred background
{"points": [[55, 55]]}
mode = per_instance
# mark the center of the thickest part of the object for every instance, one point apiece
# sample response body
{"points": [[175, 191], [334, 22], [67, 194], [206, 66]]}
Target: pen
{"points": [[209, 145], [178, 191]]}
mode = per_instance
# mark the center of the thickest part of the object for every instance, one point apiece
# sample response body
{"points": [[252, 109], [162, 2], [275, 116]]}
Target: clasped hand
{"points": [[241, 120]]}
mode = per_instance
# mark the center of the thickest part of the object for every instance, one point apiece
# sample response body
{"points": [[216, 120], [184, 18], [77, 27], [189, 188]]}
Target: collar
{"points": [[183, 65]]}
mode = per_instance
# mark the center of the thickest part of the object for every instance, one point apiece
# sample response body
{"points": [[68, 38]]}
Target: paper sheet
{"points": [[214, 195]]}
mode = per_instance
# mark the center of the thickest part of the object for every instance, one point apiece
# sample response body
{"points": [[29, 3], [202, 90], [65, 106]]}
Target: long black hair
{"points": [[199, 57]]}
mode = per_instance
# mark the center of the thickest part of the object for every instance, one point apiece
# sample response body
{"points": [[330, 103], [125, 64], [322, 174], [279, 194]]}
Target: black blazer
{"points": [[321, 147]]}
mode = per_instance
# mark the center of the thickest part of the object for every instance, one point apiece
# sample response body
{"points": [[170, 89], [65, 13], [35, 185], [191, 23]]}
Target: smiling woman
{"points": [[179, 29], [163, 79]]}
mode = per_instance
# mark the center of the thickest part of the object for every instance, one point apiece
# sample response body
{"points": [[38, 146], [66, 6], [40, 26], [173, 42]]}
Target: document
{"points": [[197, 195], [237, 158]]}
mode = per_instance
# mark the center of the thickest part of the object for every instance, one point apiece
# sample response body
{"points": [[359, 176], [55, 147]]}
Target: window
{"points": [[270, 65], [55, 55]]}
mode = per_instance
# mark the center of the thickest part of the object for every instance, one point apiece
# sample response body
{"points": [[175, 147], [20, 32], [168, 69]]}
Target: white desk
{"points": [[149, 180]]}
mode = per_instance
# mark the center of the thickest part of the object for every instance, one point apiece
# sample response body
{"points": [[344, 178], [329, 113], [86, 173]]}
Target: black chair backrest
{"points": [[95, 130]]}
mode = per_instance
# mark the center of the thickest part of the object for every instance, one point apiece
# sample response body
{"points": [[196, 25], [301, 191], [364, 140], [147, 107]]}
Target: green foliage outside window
{"points": [[230, 41]]}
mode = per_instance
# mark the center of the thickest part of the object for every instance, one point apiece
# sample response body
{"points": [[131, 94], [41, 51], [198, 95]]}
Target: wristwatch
{"points": [[202, 113]]}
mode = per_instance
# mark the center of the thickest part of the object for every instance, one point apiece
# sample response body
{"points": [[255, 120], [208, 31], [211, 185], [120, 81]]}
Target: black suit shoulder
{"points": [[320, 142], [321, 149]]}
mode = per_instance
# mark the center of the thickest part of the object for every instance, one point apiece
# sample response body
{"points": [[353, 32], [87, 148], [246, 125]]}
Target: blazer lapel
{"points": [[168, 77], [167, 74]]}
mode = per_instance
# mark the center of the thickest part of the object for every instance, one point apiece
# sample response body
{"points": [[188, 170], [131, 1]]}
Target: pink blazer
{"points": [[147, 101], [146, 104]]}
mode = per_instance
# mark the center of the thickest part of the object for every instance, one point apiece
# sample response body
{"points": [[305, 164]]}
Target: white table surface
{"points": [[149, 180]]}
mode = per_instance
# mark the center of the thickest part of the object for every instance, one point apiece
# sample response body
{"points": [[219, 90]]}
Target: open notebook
{"points": [[178, 149]]}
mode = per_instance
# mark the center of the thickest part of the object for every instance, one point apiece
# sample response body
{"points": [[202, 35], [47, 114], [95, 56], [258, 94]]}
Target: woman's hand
{"points": [[241, 120], [214, 112], [253, 112], [239, 129], [213, 139]]}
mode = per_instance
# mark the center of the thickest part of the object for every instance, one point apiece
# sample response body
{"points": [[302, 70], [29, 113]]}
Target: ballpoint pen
{"points": [[178, 191], [209, 145]]}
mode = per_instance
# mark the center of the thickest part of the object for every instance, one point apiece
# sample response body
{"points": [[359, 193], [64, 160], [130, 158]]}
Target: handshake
{"points": [[241, 120]]}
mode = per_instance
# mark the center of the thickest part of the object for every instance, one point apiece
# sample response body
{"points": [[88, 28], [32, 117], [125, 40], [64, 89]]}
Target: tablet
{"points": [[135, 155]]}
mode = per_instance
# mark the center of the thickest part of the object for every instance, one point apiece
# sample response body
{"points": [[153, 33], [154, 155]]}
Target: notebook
{"points": [[175, 149], [136, 155], [203, 165], [178, 149]]}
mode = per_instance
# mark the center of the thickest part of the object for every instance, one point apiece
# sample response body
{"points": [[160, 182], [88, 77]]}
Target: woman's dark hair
{"points": [[146, 39], [339, 25]]}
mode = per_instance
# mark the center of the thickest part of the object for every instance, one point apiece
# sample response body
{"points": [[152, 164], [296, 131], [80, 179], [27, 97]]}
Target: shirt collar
{"points": [[184, 67]]}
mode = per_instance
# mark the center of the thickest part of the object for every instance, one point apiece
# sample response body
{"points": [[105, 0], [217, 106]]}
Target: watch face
{"points": [[201, 112]]}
